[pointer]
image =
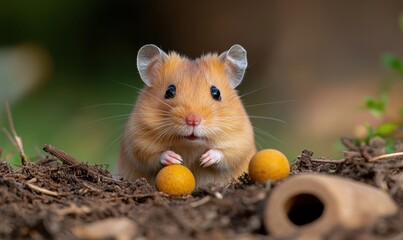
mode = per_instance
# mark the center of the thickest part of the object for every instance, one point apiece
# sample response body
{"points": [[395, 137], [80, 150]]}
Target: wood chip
{"points": [[385, 156], [42, 190], [73, 209], [115, 228]]}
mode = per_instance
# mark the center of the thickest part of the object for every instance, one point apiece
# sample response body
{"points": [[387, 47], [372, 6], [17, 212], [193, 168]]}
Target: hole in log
{"points": [[304, 208]]}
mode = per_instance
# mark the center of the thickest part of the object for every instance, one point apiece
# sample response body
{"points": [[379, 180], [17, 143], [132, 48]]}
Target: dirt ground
{"points": [[59, 197]]}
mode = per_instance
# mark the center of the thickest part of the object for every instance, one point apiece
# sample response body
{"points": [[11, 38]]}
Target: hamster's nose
{"points": [[193, 119]]}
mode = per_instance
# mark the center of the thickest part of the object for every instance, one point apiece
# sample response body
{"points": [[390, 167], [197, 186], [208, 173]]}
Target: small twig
{"points": [[349, 143], [328, 161], [1, 153], [200, 202], [59, 154], [47, 160], [269, 185], [42, 190], [145, 195], [218, 195], [10, 137], [32, 180], [69, 160], [213, 192], [14, 138], [91, 188], [384, 156]]}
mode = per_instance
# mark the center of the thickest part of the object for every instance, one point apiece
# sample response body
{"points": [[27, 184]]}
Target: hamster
{"points": [[188, 113]]}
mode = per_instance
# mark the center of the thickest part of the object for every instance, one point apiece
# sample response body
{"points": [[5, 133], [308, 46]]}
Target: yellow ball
{"points": [[175, 179], [268, 164]]}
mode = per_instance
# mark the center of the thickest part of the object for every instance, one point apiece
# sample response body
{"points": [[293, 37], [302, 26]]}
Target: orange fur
{"points": [[156, 124]]}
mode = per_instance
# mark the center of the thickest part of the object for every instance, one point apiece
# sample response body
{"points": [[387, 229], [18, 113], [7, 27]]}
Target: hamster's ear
{"points": [[149, 59], [235, 64]]}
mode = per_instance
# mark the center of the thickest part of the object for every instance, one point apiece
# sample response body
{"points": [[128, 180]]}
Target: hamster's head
{"points": [[191, 101]]}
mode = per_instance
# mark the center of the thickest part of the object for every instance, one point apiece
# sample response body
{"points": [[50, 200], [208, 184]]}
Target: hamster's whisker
{"points": [[258, 89], [143, 91], [158, 138], [159, 114], [162, 130], [264, 133], [229, 121], [267, 118], [229, 127], [171, 138], [151, 119], [218, 134], [158, 110], [149, 94], [257, 137], [212, 105], [268, 103], [125, 84], [155, 141], [114, 140], [108, 104], [135, 114], [128, 85], [116, 117], [162, 124], [153, 109], [215, 135], [231, 117], [160, 134]]}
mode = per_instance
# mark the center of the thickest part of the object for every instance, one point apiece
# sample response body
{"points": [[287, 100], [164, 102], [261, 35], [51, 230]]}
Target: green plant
{"points": [[387, 129]]}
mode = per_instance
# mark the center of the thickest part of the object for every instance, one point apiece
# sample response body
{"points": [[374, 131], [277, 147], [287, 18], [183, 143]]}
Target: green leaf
{"points": [[389, 147], [376, 107], [371, 133], [393, 62], [401, 112], [387, 129]]}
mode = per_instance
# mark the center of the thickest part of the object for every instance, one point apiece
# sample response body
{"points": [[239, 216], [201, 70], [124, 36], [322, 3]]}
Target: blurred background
{"points": [[63, 62]]}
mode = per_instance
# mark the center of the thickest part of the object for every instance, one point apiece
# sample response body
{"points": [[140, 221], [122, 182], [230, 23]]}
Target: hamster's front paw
{"points": [[170, 157], [211, 157]]}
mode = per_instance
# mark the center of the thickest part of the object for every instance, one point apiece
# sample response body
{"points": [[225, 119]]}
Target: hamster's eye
{"points": [[215, 93], [170, 93]]}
